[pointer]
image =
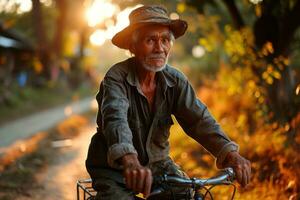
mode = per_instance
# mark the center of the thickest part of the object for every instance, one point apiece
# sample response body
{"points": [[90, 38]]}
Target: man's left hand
{"points": [[240, 165]]}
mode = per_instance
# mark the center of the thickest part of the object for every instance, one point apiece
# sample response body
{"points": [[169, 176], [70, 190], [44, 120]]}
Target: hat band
{"points": [[151, 19]]}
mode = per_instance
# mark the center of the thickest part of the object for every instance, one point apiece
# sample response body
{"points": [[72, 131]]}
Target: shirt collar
{"points": [[163, 76]]}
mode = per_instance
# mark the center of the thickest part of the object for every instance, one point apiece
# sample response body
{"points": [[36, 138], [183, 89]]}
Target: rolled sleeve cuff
{"points": [[231, 146], [117, 151]]}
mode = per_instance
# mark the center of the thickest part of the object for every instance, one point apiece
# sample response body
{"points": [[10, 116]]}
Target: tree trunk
{"points": [[42, 47], [60, 27], [236, 17]]}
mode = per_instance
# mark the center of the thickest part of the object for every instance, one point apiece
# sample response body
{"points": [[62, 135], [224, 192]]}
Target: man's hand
{"points": [[137, 177], [240, 165]]}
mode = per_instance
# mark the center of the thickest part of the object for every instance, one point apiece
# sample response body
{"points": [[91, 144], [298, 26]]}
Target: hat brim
{"points": [[122, 39]]}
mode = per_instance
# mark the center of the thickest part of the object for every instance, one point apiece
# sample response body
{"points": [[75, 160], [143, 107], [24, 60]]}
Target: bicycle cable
{"points": [[207, 192], [211, 187], [170, 188]]}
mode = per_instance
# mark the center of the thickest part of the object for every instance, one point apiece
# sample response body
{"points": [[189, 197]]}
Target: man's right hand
{"points": [[137, 177]]}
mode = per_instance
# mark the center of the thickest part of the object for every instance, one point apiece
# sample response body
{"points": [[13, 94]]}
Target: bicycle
{"points": [[226, 177]]}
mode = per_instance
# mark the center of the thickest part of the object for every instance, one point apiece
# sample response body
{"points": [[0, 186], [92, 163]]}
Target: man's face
{"points": [[152, 47]]}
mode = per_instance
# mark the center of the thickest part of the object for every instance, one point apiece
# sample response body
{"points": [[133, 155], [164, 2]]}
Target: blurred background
{"points": [[242, 58]]}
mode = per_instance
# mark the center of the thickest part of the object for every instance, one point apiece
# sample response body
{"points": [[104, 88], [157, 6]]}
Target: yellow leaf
{"points": [[269, 47], [241, 120], [228, 28], [286, 61], [270, 80], [265, 75], [37, 66], [207, 158], [202, 41], [184, 155], [287, 127], [291, 184], [270, 68], [265, 52], [251, 84], [257, 94], [298, 89], [181, 7], [277, 75], [261, 99], [206, 44]]}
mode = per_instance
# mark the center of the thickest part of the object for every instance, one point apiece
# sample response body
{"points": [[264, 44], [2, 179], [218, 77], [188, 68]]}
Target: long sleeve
{"points": [[113, 104], [199, 124]]}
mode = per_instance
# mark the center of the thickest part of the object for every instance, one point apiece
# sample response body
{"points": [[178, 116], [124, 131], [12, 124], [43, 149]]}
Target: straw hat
{"points": [[145, 15]]}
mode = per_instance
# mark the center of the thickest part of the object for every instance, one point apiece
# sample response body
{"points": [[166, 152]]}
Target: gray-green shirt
{"points": [[127, 125]]}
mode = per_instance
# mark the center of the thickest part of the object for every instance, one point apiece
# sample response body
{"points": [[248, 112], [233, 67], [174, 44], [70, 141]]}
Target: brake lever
{"points": [[230, 173]]}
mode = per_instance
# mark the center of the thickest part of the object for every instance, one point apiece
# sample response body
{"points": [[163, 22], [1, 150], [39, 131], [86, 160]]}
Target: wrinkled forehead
{"points": [[154, 30]]}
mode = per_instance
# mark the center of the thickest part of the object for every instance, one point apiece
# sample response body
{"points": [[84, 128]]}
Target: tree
{"points": [[60, 20], [274, 28], [60, 27]]}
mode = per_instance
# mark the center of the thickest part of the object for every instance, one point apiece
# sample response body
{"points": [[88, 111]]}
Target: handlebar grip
{"points": [[227, 175], [230, 172]]}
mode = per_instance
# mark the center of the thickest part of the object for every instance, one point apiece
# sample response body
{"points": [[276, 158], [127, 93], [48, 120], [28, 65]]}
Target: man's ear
{"points": [[132, 49]]}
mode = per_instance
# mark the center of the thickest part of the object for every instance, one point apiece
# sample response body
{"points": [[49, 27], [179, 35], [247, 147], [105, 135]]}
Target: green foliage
{"points": [[22, 22], [23, 101]]}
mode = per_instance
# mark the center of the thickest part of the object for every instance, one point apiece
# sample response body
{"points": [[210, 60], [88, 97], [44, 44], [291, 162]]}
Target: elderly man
{"points": [[136, 99]]}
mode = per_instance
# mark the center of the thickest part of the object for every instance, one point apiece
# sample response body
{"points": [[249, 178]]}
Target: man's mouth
{"points": [[157, 58]]}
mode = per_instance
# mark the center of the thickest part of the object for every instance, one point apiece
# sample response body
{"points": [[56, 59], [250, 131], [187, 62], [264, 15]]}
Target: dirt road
{"points": [[58, 179]]}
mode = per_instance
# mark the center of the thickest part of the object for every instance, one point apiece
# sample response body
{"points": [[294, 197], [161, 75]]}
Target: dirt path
{"points": [[29, 125], [58, 179]]}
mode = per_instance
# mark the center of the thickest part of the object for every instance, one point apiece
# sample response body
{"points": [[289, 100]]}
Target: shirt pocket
{"points": [[162, 132]]}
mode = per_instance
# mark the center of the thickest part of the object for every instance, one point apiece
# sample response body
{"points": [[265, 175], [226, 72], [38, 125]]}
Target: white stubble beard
{"points": [[154, 69]]}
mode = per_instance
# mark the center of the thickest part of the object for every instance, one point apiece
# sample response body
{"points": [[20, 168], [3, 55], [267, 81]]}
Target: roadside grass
{"points": [[19, 178], [30, 100]]}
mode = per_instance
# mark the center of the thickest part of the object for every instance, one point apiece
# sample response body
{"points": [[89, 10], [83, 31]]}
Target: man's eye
{"points": [[149, 40], [165, 40]]}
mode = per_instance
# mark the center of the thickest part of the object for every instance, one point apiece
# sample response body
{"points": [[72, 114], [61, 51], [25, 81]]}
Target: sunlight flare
{"points": [[99, 11], [99, 37], [20, 6], [10, 6]]}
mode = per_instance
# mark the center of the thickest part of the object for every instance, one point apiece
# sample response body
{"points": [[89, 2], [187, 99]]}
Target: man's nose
{"points": [[159, 46]]}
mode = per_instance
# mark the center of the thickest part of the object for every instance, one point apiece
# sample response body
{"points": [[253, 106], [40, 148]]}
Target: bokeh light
{"points": [[255, 1], [198, 51], [174, 16]]}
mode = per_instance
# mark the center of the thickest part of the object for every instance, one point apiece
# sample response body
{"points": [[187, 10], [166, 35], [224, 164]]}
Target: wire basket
{"points": [[85, 190]]}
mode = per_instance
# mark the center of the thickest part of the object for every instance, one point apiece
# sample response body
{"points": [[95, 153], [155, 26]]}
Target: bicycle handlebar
{"points": [[226, 177]]}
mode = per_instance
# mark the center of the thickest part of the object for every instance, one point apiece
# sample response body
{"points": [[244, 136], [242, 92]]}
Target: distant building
{"points": [[16, 55]]}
